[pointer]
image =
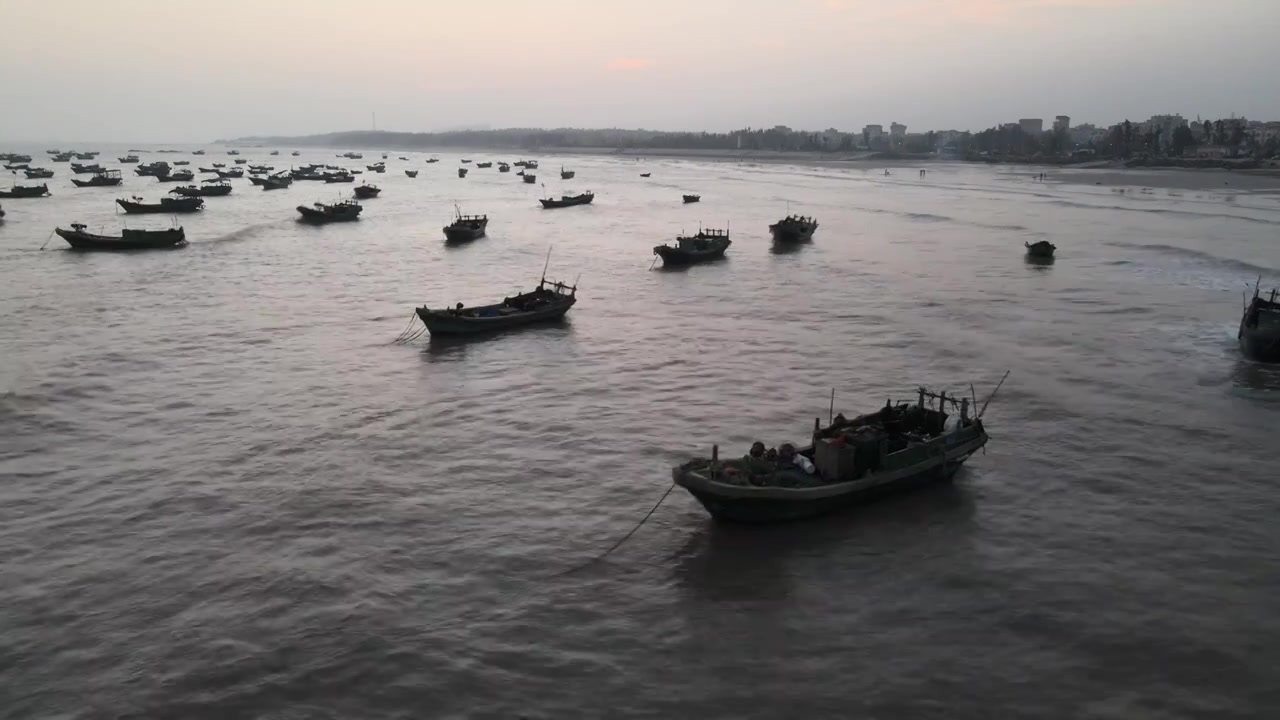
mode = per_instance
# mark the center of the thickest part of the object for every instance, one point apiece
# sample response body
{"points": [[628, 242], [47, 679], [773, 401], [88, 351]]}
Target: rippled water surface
{"points": [[224, 493]]}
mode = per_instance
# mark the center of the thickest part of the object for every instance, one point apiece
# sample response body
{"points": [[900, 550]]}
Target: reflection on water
{"points": [[1255, 375]]}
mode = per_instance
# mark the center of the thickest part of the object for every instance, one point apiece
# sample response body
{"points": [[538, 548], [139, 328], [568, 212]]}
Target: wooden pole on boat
{"points": [[993, 394], [831, 411]]}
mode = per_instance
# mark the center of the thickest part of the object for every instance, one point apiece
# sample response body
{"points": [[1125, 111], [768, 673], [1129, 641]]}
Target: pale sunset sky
{"points": [[175, 70]]}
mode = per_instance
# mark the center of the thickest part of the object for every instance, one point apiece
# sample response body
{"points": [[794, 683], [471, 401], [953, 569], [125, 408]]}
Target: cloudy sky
{"points": [[169, 70]]}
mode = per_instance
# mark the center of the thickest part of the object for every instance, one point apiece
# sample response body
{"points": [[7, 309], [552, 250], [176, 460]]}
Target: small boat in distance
{"points": [[432, 160], [239, 161], [645, 174], [503, 167], [105, 178], [895, 448], [1259, 334], [341, 211], [367, 191], [295, 153], [462, 172], [548, 302], [26, 191], [705, 245], [530, 164], [567, 200], [339, 177], [692, 198], [233, 152], [531, 179], [793, 229], [219, 165], [230, 174], [275, 152], [465, 227], [484, 165], [197, 152], [151, 169], [411, 173], [276, 182], [37, 173], [79, 169], [402, 157], [566, 174], [80, 239], [127, 159], [466, 161], [166, 205], [1042, 249], [64, 157]]}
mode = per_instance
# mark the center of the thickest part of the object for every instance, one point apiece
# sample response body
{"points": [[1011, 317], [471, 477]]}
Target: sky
{"points": [[173, 71]]}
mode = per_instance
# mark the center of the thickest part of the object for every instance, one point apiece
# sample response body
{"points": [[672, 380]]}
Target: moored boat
{"points": [[691, 198], [181, 162], [166, 205], [79, 169], [462, 172], [229, 174], [566, 174], [1259, 334], [295, 153], [466, 227], [64, 157], [276, 182], [432, 160], [341, 211], [484, 165], [151, 169], [210, 188], [895, 448], [366, 191], [503, 167], [105, 178], [548, 302], [566, 200], [197, 152], [37, 173], [645, 174], [128, 159], [79, 238], [181, 176], [275, 152], [1042, 249], [339, 177], [705, 245], [793, 229], [233, 152], [25, 191], [411, 173]]}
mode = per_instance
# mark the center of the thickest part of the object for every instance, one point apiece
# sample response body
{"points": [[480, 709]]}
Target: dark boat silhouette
{"points": [[793, 229], [1259, 334], [37, 173], [25, 191], [411, 173], [166, 205], [276, 182], [211, 188], [462, 172], [184, 176], [80, 239], [548, 302], [566, 174], [691, 198], [105, 178], [567, 200], [705, 245], [342, 211], [529, 178], [465, 228], [367, 191], [1042, 249]]}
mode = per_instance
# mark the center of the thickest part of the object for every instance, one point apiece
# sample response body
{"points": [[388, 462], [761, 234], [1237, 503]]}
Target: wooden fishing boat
{"points": [[181, 162], [462, 172], [19, 166], [15, 158], [128, 159], [793, 229], [384, 156], [530, 164], [233, 152], [277, 182], [166, 205], [530, 179], [295, 153], [374, 167], [341, 211], [402, 157], [25, 191], [465, 228], [465, 161], [219, 165], [241, 161], [503, 167], [53, 152], [339, 178], [366, 191], [548, 302], [411, 173], [850, 461], [484, 165], [567, 200], [261, 168], [85, 156], [1042, 249], [432, 160], [566, 174], [129, 239], [182, 176], [64, 157], [691, 198], [37, 173], [151, 169], [275, 152], [197, 152], [105, 178], [645, 174], [1259, 334], [211, 188], [79, 169], [705, 245], [230, 174], [257, 180]]}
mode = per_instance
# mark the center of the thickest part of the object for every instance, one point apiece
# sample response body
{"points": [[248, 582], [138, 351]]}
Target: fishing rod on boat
{"points": [[993, 394]]}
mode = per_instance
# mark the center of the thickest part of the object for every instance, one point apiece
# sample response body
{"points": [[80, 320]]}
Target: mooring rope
{"points": [[407, 335], [626, 537]]}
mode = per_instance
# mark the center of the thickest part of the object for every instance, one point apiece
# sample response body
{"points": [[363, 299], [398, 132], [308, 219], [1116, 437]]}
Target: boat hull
{"points": [[312, 215], [183, 205], [549, 204], [1261, 343], [17, 192], [128, 241], [792, 234], [446, 324], [674, 256], [462, 234], [754, 505]]}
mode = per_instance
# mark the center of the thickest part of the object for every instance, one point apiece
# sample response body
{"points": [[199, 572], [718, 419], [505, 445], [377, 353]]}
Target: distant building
{"points": [[1165, 125], [1086, 133], [873, 136], [1032, 126], [897, 135], [1062, 124]]}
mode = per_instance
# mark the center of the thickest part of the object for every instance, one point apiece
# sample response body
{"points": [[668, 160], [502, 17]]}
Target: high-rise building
{"points": [[1061, 124], [1031, 126]]}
